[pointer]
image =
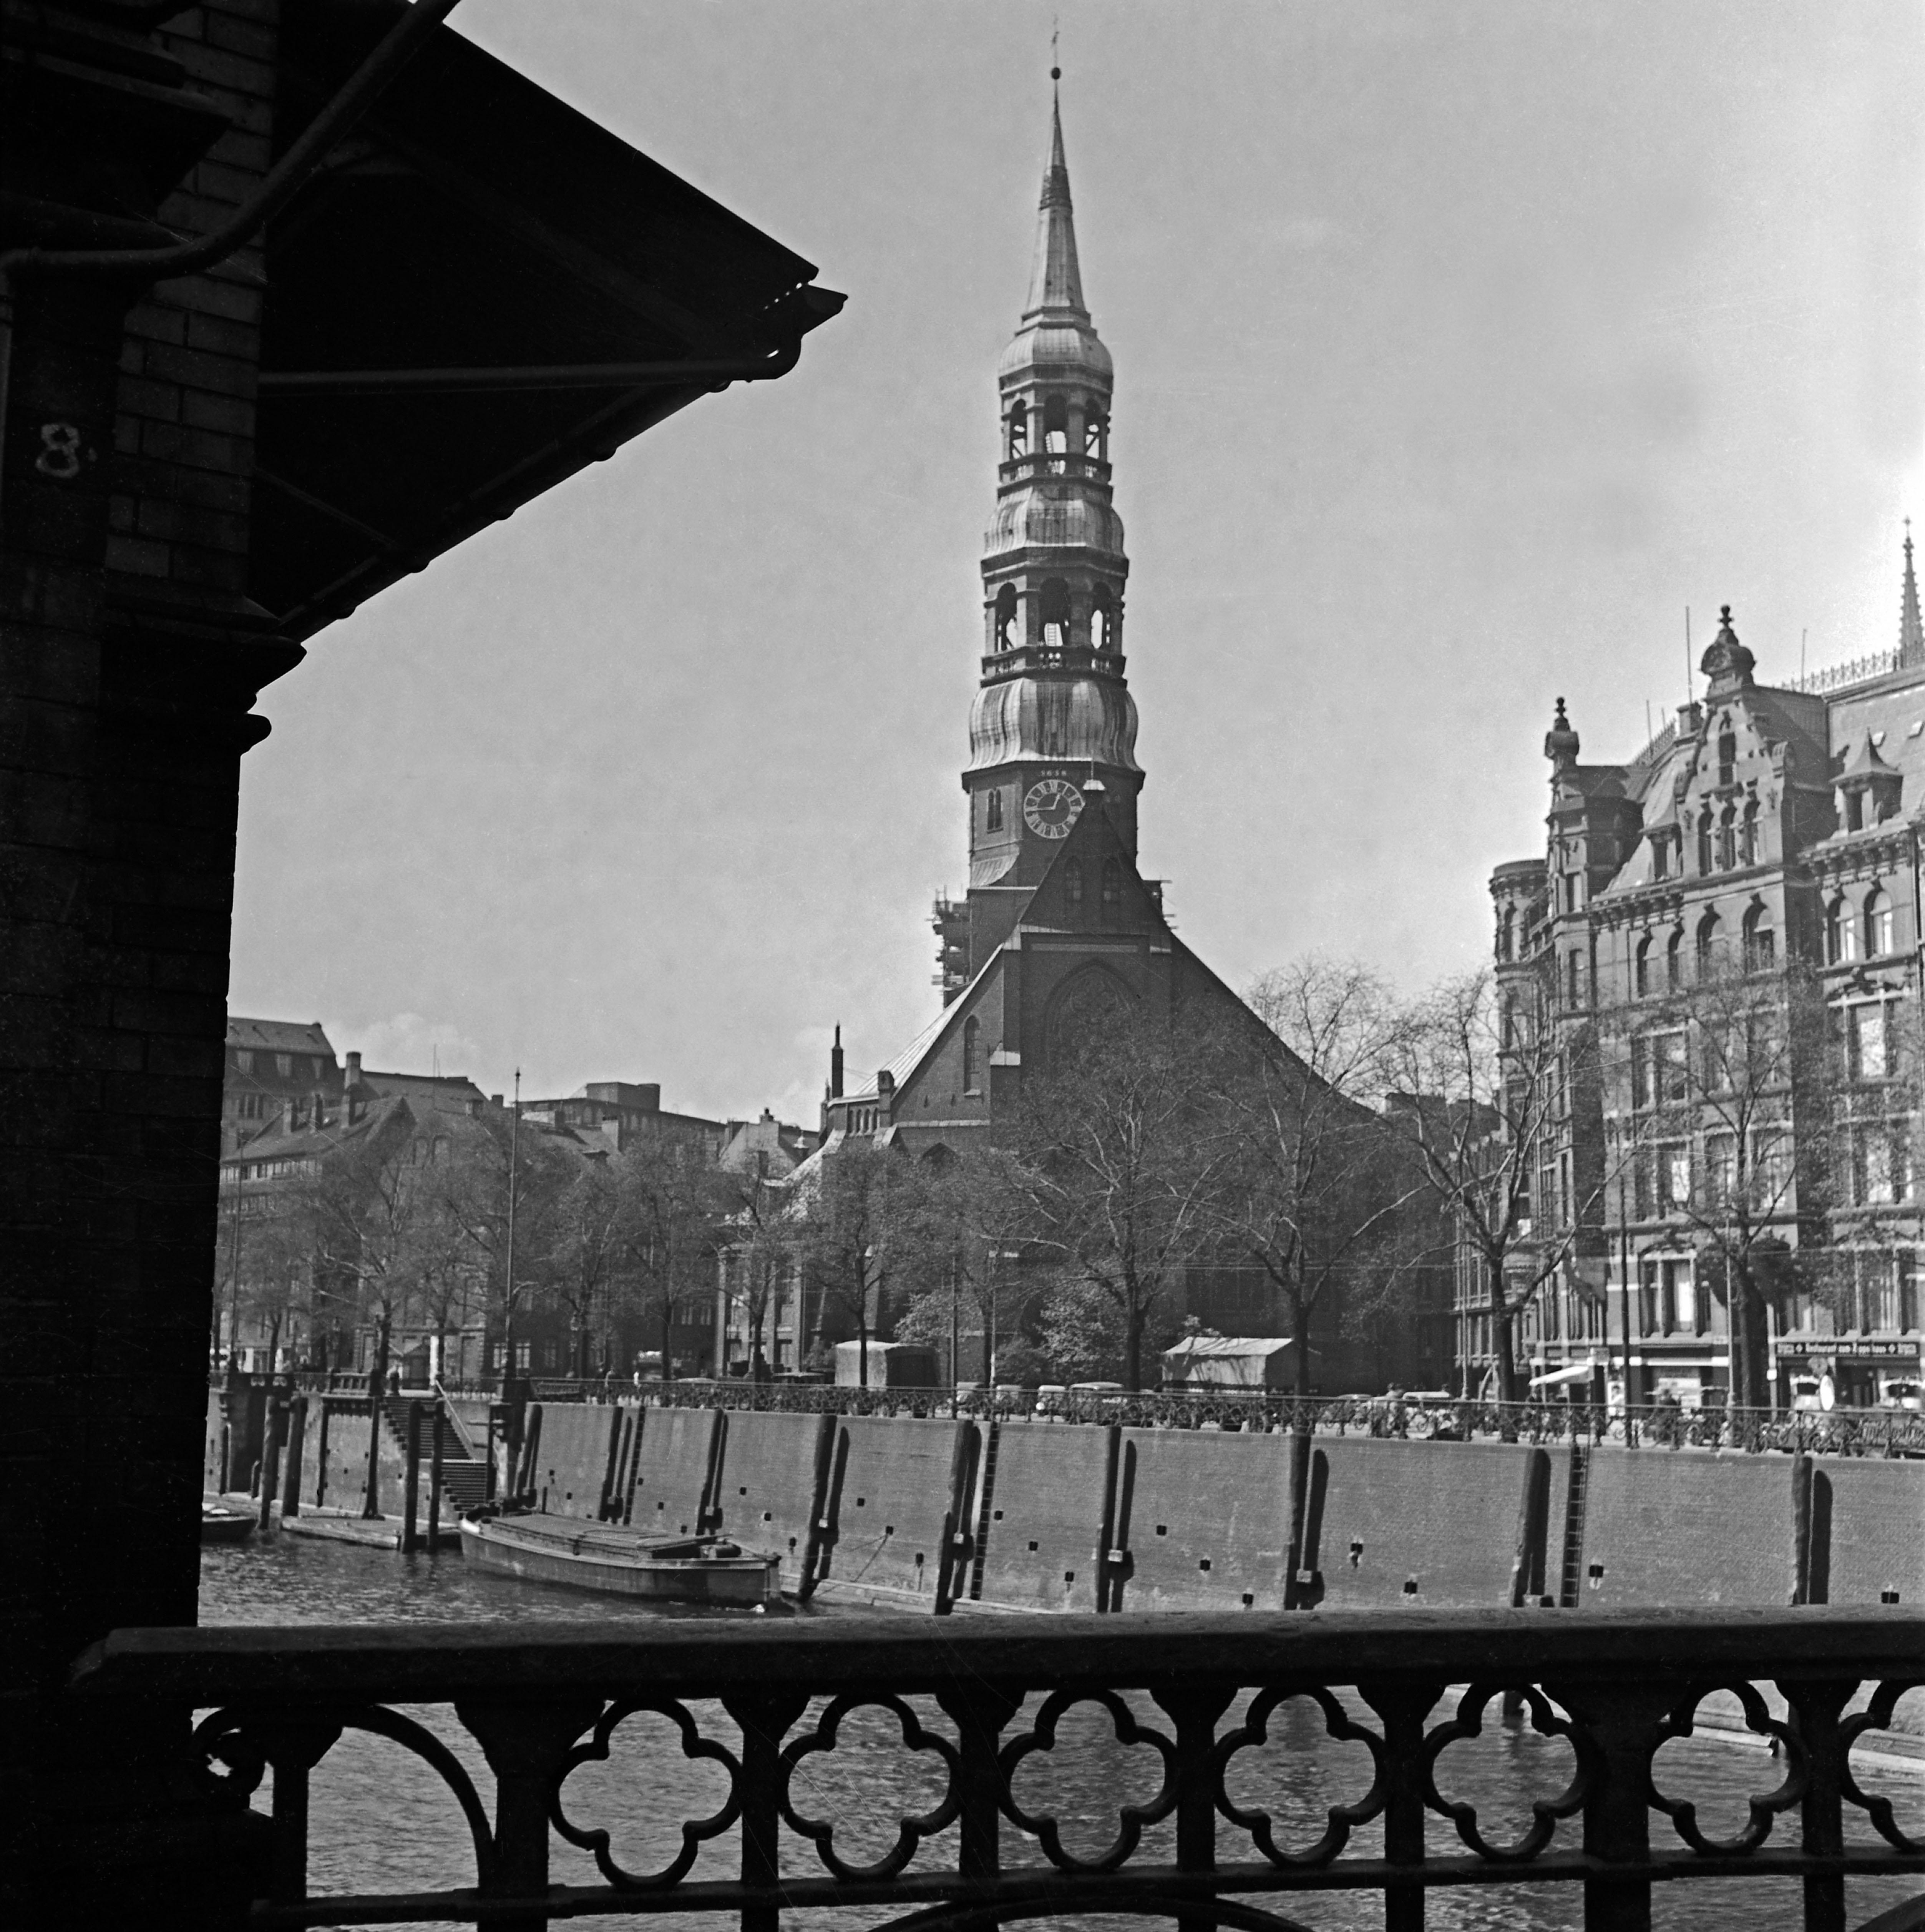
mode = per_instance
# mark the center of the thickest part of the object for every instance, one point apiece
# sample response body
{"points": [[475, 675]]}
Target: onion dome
{"points": [[1030, 519], [1085, 718], [1726, 662], [1560, 742]]}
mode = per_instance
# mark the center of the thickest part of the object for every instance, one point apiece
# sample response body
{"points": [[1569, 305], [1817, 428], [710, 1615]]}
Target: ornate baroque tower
{"points": [[1052, 729]]}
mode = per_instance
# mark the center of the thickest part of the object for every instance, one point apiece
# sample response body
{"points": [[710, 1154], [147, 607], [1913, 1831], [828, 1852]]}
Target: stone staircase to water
{"points": [[464, 1476]]}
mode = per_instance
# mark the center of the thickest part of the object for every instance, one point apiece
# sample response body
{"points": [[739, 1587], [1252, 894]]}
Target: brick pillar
{"points": [[129, 660]]}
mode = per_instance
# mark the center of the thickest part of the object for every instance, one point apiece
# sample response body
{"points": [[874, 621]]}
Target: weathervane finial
{"points": [[1055, 29]]}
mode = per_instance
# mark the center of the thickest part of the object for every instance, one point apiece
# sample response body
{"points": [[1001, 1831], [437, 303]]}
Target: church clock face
{"points": [[1050, 807]]}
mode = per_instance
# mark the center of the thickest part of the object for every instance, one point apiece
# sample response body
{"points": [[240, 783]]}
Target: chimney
{"points": [[885, 1084], [835, 1067]]}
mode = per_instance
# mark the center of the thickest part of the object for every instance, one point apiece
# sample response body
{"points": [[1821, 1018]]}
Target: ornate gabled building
{"points": [[1058, 926], [1761, 856]]}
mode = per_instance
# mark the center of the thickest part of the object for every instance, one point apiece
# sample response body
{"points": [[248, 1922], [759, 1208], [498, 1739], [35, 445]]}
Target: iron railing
{"points": [[980, 1705], [1836, 1432]]}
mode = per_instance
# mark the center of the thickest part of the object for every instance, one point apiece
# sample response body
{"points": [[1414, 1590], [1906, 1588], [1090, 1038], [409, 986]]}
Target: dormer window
{"points": [[1727, 754], [1072, 882], [1661, 856], [1112, 886]]}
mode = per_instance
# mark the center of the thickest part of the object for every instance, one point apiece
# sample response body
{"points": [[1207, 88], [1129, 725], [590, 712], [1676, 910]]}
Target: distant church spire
{"points": [[1911, 631], [1056, 281]]}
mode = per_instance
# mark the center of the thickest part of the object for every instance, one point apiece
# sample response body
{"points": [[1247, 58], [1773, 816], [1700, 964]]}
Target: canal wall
{"points": [[1047, 1517]]}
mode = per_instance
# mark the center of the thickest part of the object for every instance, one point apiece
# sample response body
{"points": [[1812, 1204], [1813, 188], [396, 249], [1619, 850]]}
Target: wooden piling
{"points": [[411, 1482], [297, 1437], [434, 1477]]}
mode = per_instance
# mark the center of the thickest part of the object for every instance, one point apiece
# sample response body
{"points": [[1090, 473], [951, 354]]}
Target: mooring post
{"points": [[411, 1474], [269, 1466], [434, 1481], [297, 1439]]}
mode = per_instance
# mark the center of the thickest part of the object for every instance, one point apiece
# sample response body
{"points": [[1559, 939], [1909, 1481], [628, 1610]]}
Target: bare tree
{"points": [[590, 1237], [969, 1219], [1486, 1084], [856, 1218], [762, 1236], [1128, 1156], [1757, 1111], [678, 1202], [1314, 1188]]}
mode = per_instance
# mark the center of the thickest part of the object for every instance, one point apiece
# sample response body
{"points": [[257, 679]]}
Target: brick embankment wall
{"points": [[1663, 1527]]}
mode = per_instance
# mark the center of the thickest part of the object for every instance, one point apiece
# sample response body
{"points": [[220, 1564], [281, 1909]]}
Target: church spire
{"points": [[1911, 631], [1056, 281]]}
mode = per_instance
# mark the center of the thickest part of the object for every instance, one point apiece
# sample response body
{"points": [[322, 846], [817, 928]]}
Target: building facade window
{"points": [[1879, 925], [1841, 934], [1641, 968], [972, 1050], [992, 809], [1674, 960], [1760, 943], [1072, 882], [1112, 885]]}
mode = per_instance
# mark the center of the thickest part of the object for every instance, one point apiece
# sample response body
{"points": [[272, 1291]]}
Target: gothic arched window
{"points": [[992, 809], [1112, 885], [1841, 934], [1879, 926], [1072, 882], [972, 1056], [1727, 839], [1005, 618]]}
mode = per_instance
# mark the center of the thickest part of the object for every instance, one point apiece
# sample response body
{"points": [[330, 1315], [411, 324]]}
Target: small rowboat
{"points": [[225, 1525], [621, 1562]]}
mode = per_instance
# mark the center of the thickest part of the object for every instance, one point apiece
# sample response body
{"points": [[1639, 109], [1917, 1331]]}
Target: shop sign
{"points": [[1842, 1349]]}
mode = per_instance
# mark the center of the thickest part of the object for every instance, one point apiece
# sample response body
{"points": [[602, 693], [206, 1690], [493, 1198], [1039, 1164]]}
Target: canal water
{"points": [[381, 1820]]}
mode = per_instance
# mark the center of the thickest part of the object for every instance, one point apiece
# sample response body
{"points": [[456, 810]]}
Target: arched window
{"points": [[992, 809], [1760, 943], [1574, 979], [1095, 431], [1112, 885], [1841, 934], [1019, 432], [1102, 629], [972, 1056], [1507, 934], [1727, 754], [1054, 612], [1056, 426], [1641, 968], [1072, 882], [1747, 836], [1707, 943], [1879, 925], [1673, 958], [1704, 840], [1005, 618], [1727, 839]]}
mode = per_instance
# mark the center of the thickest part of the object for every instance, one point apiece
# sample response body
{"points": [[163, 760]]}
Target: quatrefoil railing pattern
{"points": [[910, 1830], [595, 1840], [984, 1703]]}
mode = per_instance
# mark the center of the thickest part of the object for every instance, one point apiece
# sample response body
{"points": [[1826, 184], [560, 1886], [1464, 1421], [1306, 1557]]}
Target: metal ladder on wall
{"points": [[987, 1492], [1571, 1581]]}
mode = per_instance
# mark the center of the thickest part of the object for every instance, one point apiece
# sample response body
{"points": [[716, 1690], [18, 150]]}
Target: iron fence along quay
{"points": [[981, 1699], [1812, 1432]]}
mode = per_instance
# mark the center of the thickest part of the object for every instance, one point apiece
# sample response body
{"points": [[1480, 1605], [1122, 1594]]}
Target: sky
{"points": [[1460, 350]]}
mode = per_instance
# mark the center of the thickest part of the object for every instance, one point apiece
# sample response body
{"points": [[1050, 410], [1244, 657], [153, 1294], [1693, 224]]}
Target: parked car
{"points": [[1902, 1392]]}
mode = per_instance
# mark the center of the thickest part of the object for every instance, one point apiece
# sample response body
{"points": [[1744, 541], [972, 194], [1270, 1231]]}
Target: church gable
{"points": [[1092, 885]]}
